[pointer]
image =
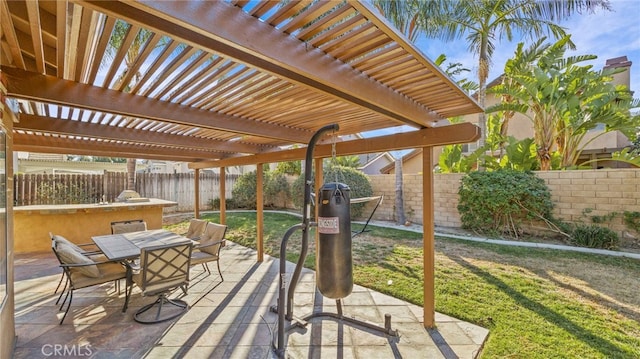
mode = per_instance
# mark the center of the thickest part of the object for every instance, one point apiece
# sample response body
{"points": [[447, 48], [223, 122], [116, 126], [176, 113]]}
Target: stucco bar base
{"points": [[78, 222]]}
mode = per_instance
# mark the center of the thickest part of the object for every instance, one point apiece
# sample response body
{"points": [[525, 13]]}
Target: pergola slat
{"points": [[9, 33], [213, 25], [77, 128], [40, 87], [33, 12], [51, 144]]}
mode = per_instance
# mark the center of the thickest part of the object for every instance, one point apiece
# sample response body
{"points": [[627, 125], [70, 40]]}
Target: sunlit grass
{"points": [[536, 303]]}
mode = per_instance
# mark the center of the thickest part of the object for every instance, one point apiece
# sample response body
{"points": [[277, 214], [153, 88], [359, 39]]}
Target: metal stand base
{"points": [[296, 322], [173, 309]]}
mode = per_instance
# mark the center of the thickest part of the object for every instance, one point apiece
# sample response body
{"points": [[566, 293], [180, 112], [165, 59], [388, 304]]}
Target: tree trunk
{"points": [[131, 174], [400, 218]]}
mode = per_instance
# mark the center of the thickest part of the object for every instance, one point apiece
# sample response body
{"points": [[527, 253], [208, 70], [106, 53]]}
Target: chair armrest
{"points": [[90, 252], [199, 245], [133, 265], [86, 244]]}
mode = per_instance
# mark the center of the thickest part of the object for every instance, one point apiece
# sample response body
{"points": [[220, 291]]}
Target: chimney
{"points": [[623, 78], [616, 62]]}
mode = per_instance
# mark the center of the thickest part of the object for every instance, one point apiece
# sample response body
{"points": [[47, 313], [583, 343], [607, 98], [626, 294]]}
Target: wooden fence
{"points": [[32, 189], [179, 188]]}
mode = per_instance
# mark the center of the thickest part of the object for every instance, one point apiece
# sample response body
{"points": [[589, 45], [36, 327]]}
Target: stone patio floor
{"points": [[226, 319]]}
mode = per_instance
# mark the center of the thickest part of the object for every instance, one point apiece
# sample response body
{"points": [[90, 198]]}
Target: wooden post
{"points": [[319, 177], [223, 196], [259, 213], [429, 306], [196, 179]]}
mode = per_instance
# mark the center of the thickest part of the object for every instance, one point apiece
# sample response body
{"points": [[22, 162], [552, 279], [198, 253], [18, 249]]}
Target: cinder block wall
{"points": [[602, 191]]}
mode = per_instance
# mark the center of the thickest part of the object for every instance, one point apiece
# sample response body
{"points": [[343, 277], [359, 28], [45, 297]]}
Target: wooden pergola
{"points": [[224, 83]]}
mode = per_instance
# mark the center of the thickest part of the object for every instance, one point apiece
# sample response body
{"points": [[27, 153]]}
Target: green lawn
{"points": [[536, 303]]}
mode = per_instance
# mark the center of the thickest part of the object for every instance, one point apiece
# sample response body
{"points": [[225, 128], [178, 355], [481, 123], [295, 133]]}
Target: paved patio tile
{"points": [[229, 319]]}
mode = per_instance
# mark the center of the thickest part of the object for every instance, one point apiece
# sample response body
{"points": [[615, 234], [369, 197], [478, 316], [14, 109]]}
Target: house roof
{"points": [[374, 161], [214, 80], [388, 168]]}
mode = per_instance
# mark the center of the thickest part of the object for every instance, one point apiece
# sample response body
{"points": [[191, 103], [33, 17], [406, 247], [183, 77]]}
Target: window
{"points": [[469, 147]]}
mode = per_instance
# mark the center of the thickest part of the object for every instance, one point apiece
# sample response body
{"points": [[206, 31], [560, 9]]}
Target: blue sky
{"points": [[606, 34]]}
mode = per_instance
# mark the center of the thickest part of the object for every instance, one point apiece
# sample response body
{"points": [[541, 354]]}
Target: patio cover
{"points": [[220, 83]]}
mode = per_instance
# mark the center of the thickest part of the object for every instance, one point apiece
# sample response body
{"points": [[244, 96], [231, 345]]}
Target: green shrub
{"points": [[276, 190], [289, 168], [214, 203], [594, 236], [632, 220], [497, 202], [62, 193], [275, 187], [244, 191], [357, 181]]}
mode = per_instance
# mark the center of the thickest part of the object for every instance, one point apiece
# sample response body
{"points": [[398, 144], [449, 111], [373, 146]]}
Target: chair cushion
{"points": [[159, 287], [211, 250], [68, 255], [196, 228], [198, 257], [61, 239], [213, 233], [117, 228], [108, 272]]}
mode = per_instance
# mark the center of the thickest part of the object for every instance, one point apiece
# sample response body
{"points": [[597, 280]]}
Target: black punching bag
{"points": [[334, 265]]}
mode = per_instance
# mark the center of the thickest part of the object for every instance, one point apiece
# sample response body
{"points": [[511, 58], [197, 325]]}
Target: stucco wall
{"points": [[603, 191], [77, 223]]}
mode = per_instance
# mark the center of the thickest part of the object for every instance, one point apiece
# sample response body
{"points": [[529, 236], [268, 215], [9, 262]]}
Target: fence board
{"points": [[32, 189]]}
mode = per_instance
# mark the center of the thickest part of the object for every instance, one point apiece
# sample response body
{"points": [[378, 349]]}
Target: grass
{"points": [[536, 303]]}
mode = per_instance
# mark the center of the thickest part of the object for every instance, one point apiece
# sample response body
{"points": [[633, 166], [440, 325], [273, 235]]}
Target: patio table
{"points": [[127, 246]]}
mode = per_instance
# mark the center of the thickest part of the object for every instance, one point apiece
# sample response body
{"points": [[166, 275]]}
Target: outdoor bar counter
{"points": [[78, 222]]}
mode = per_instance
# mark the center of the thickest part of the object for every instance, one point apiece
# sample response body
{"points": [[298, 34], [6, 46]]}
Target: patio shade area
{"points": [[200, 81], [229, 319], [224, 83]]}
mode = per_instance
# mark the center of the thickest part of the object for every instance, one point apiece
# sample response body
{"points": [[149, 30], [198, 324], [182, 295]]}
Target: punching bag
{"points": [[334, 264]]}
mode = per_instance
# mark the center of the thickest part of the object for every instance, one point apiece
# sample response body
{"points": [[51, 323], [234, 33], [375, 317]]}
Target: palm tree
{"points": [[484, 23], [402, 14], [399, 204], [563, 100], [120, 31]]}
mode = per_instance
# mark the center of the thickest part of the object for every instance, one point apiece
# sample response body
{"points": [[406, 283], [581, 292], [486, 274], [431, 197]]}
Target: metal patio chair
{"points": [[209, 246], [162, 269], [134, 225], [81, 271]]}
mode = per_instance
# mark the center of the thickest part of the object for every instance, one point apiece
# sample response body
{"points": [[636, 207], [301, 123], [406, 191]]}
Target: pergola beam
{"points": [[76, 128], [33, 86], [437, 136], [214, 26], [50, 144]]}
